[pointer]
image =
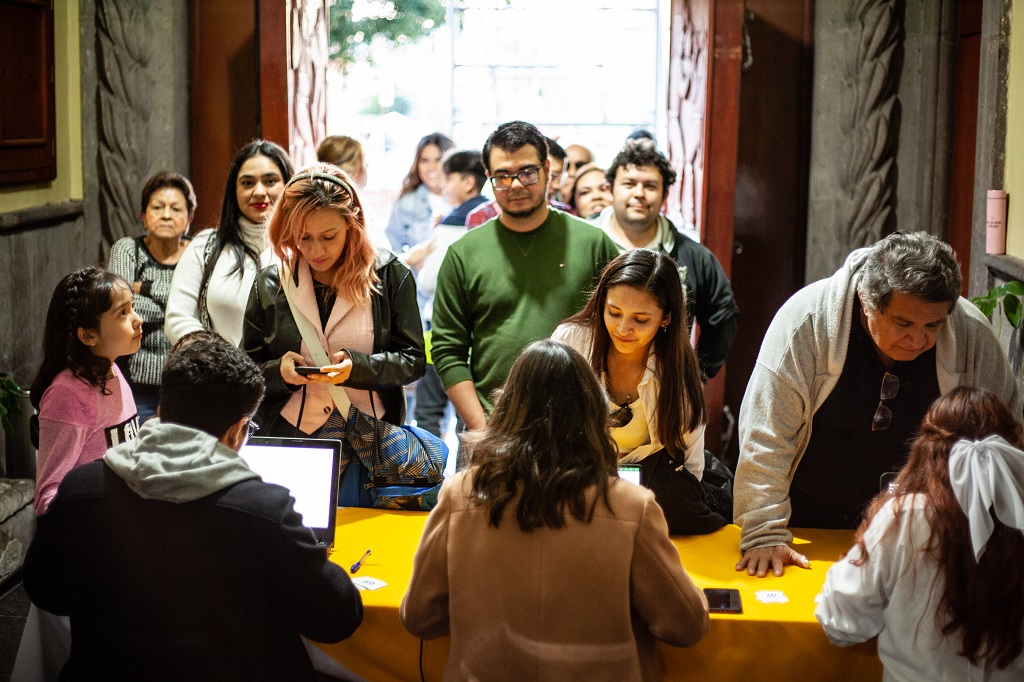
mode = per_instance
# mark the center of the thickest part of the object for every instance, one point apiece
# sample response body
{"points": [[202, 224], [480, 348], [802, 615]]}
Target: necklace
{"points": [[623, 379]]}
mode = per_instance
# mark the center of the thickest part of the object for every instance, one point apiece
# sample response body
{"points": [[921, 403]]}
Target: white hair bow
{"points": [[988, 474]]}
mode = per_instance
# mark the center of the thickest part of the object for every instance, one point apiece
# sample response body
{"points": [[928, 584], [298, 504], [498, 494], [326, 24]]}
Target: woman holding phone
{"points": [[358, 302]]}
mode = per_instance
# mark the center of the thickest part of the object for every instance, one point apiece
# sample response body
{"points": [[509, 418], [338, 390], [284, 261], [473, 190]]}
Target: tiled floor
{"points": [[13, 611]]}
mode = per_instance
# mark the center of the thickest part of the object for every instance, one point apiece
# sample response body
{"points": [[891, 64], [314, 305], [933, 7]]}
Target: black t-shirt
{"points": [[325, 297], [840, 472]]}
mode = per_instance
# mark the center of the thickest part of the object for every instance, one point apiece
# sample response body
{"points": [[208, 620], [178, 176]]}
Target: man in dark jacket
{"points": [[640, 177], [174, 560]]}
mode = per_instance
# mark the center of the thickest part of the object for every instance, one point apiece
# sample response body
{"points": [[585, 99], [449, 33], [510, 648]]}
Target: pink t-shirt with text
{"points": [[77, 424]]}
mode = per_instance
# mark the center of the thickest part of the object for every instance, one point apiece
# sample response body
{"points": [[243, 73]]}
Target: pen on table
{"points": [[356, 566]]}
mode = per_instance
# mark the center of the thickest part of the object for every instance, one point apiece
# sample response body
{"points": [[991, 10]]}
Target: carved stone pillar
{"points": [[307, 79], [880, 129], [687, 102], [124, 96]]}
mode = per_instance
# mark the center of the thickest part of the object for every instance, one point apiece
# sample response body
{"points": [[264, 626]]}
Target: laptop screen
{"points": [[308, 468]]}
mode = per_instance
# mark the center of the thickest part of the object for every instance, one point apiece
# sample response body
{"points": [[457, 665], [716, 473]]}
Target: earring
{"points": [[664, 328]]}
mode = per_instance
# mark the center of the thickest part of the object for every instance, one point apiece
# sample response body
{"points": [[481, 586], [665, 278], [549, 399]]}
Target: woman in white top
{"points": [[211, 284], [936, 573], [633, 331]]}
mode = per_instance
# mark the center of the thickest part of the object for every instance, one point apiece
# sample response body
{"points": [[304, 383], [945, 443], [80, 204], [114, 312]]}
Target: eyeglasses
{"points": [[251, 427], [527, 176], [883, 415], [621, 416]]}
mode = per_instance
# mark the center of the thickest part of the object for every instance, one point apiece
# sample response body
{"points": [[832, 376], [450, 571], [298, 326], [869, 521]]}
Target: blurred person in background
{"points": [[590, 193], [347, 154], [420, 205]]}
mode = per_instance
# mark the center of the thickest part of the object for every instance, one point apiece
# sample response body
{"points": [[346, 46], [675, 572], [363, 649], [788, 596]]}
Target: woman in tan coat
{"points": [[572, 583]]}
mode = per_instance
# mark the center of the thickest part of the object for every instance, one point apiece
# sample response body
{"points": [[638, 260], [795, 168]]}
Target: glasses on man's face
{"points": [[251, 427], [573, 166], [502, 182], [621, 416], [883, 415]]}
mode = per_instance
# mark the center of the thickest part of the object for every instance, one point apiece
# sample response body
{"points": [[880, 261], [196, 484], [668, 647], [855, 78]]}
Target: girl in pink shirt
{"points": [[85, 405]]}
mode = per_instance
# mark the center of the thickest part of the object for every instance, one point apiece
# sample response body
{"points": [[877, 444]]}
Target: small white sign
{"points": [[771, 596], [365, 582]]}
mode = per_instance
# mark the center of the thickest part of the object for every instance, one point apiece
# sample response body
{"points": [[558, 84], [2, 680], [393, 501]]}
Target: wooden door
{"points": [[258, 71], [773, 161], [704, 82]]}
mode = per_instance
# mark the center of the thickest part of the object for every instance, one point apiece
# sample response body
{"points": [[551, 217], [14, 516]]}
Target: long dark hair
{"points": [[78, 301], [412, 179], [982, 601], [548, 436], [228, 233], [681, 392]]}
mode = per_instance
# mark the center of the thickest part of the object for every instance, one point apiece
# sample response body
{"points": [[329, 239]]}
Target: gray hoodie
{"points": [[800, 362], [176, 463]]}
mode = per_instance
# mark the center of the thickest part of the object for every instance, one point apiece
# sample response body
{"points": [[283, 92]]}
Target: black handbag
{"points": [[691, 507]]}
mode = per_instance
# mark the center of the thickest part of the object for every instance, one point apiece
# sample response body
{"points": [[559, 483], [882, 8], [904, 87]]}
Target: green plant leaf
{"points": [[1012, 308], [1016, 288], [985, 304]]}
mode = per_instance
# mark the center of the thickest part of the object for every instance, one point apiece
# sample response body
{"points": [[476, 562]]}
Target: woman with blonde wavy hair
{"points": [[358, 301]]}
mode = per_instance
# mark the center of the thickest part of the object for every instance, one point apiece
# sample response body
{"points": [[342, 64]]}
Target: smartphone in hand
{"points": [[304, 371]]}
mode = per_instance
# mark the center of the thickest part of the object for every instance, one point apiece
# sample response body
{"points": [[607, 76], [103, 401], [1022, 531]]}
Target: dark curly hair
{"points": [[209, 384], [78, 302], [548, 436], [642, 152]]}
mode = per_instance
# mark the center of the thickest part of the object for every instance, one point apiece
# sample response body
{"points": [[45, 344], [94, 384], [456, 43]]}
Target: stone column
{"points": [[880, 140]]}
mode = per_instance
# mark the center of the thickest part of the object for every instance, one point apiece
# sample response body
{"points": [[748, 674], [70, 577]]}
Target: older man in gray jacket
{"points": [[846, 371]]}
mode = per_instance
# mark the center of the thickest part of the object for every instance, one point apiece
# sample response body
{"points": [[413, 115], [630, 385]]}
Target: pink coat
{"points": [[576, 603]]}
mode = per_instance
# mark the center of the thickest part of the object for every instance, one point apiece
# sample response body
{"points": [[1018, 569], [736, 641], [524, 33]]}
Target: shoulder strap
{"points": [[317, 352], [204, 311]]}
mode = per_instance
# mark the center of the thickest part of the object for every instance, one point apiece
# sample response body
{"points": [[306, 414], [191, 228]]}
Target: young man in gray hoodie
{"points": [[174, 560]]}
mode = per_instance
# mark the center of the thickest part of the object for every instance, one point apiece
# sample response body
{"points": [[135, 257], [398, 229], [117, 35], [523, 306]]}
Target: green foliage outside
{"points": [[396, 21], [1005, 298]]}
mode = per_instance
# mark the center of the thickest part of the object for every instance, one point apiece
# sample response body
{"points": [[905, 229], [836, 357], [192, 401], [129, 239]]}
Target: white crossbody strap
{"points": [[309, 335]]}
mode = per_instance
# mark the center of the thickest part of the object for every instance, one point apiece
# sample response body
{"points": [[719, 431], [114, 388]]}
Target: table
{"points": [[767, 642]]}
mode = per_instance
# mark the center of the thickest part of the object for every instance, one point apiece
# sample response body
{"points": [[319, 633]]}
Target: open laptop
{"points": [[308, 468]]}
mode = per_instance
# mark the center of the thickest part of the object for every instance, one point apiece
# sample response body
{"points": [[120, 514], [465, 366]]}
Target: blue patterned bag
{"points": [[404, 464]]}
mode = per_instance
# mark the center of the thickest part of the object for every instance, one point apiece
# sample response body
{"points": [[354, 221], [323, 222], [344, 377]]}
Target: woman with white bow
{"points": [[937, 572]]}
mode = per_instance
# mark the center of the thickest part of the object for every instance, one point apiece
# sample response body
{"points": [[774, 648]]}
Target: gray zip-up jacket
{"points": [[799, 364]]}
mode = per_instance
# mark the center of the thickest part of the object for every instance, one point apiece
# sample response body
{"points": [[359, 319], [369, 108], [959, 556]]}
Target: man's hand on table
{"points": [[760, 559]]}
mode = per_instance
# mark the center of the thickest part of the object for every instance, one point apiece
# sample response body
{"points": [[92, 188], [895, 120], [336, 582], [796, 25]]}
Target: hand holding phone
{"points": [[304, 371]]}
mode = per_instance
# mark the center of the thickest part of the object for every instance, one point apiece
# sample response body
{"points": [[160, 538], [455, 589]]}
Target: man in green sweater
{"points": [[513, 279]]}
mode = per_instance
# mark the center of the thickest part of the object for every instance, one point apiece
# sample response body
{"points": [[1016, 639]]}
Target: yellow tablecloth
{"points": [[766, 642]]}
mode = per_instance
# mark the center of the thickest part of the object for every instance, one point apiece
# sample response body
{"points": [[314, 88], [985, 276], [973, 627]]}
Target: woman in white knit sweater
{"points": [[215, 274]]}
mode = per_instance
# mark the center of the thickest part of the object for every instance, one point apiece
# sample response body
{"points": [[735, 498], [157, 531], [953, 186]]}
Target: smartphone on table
{"points": [[722, 600]]}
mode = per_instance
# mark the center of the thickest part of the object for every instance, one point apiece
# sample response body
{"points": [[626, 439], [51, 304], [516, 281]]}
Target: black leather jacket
{"points": [[269, 331]]}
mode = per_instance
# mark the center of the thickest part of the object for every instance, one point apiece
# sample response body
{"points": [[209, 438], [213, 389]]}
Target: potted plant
{"points": [[1007, 299], [15, 415]]}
